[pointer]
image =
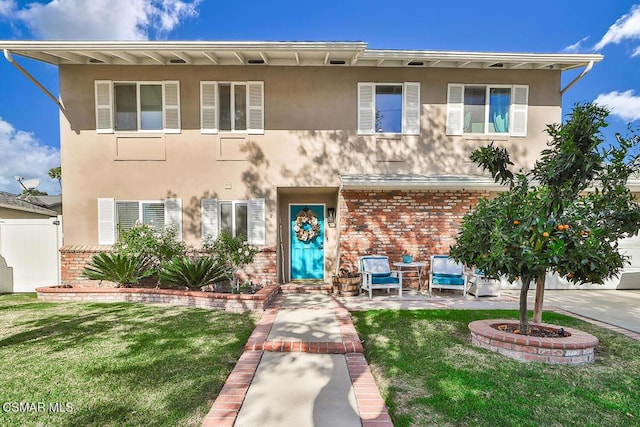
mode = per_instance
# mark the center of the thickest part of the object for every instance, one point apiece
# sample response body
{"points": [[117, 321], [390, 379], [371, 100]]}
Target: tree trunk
{"points": [[537, 310], [524, 324]]}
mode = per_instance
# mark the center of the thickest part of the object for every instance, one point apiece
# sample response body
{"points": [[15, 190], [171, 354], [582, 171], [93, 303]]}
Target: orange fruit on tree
{"points": [[516, 222], [545, 234]]}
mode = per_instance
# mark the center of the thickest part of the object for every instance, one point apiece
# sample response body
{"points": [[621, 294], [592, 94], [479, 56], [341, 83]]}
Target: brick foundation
{"points": [[422, 223], [576, 349], [228, 302]]}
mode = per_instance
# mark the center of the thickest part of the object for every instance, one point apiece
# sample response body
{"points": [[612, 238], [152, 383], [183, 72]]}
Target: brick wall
{"points": [[393, 223], [75, 258]]}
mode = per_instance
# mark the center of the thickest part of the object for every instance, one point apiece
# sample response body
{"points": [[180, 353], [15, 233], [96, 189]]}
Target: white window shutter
{"points": [[171, 108], [209, 211], [255, 107], [173, 215], [106, 222], [411, 109], [208, 110], [455, 109], [104, 106], [257, 222], [519, 109], [366, 108]]}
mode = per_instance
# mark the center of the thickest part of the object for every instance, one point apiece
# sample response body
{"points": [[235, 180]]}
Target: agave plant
{"points": [[193, 273], [123, 269]]}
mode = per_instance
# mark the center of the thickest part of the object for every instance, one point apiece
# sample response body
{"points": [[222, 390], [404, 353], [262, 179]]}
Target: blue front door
{"points": [[307, 242]]}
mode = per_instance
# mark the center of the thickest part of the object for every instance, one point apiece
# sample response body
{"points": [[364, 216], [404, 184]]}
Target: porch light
{"points": [[331, 217]]}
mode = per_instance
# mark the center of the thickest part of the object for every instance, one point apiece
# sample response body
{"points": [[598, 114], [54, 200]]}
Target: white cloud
{"points": [[636, 52], [7, 7], [102, 19], [623, 104], [626, 27], [23, 155], [573, 48]]}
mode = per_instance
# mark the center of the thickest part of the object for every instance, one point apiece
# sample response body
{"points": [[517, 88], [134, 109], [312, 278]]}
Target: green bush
{"points": [[193, 273], [121, 268], [160, 245], [232, 252]]}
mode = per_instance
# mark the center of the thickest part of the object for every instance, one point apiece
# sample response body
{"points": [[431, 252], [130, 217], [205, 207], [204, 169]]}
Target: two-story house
{"points": [[316, 152]]}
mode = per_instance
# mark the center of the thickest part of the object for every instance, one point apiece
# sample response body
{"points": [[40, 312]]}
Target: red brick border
{"points": [[576, 349], [228, 302], [228, 403]]}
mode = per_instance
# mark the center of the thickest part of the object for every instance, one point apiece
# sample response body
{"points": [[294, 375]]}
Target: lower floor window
{"points": [[130, 213], [234, 218]]}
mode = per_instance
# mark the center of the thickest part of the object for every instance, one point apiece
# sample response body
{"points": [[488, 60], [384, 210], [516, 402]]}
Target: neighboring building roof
{"points": [[419, 182], [12, 201], [46, 201], [281, 54]]}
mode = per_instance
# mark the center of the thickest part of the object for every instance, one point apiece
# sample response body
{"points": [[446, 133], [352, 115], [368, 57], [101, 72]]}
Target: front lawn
{"points": [[67, 364], [430, 374]]}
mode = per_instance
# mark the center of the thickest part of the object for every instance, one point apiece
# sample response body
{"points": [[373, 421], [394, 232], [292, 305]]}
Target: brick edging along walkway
{"points": [[373, 412]]}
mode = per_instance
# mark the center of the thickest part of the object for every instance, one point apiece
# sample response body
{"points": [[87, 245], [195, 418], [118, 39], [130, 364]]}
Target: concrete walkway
{"points": [[303, 365]]}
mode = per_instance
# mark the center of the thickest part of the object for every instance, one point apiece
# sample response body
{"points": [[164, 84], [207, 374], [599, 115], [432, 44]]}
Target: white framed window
{"points": [[130, 106], [487, 109], [115, 216], [243, 218], [389, 108], [232, 107]]}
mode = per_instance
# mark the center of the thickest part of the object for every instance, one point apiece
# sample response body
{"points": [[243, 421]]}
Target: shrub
{"points": [[232, 252], [193, 273], [123, 269], [159, 245]]}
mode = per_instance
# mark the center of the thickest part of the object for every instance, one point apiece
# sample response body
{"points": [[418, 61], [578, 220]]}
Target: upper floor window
{"points": [[389, 108], [232, 107], [137, 106], [487, 109]]}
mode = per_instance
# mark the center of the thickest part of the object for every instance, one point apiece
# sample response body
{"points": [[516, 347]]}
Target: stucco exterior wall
{"points": [[310, 138]]}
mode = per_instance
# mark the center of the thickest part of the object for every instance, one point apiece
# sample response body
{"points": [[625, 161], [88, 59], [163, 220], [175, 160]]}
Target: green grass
{"points": [[430, 374], [117, 364]]}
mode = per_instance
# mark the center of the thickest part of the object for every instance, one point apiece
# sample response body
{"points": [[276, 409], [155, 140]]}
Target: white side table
{"points": [[417, 266]]}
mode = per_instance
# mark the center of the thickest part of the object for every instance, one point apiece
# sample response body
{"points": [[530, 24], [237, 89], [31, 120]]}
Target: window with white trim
{"points": [[115, 216], [232, 107], [234, 218], [487, 109], [137, 106], [243, 218], [130, 213], [389, 108]]}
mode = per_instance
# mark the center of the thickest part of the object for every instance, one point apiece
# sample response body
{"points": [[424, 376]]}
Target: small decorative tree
{"points": [[566, 215], [232, 252]]}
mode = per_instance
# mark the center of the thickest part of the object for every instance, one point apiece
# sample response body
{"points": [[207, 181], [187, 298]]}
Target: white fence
{"points": [[30, 248]]}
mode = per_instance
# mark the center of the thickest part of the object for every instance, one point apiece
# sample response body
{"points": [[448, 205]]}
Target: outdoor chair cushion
{"points": [[383, 280], [447, 279]]}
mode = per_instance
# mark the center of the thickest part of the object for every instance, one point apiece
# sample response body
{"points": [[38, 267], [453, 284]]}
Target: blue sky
{"points": [[29, 126]]}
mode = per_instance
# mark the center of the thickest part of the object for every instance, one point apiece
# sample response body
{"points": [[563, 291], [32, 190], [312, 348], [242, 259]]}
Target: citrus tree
{"points": [[565, 216]]}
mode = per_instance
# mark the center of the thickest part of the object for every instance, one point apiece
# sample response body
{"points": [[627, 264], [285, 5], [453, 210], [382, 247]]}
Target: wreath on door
{"points": [[306, 226]]}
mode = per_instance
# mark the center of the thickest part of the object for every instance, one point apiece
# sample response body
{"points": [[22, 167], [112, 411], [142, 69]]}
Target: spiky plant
{"points": [[123, 269], [193, 273]]}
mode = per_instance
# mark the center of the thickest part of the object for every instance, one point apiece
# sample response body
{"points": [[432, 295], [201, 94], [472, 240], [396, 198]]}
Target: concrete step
{"points": [[306, 287]]}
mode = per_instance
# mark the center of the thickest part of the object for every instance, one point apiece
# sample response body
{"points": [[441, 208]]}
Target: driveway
{"points": [[617, 307]]}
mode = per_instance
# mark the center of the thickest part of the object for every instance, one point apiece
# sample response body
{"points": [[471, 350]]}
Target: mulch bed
{"points": [[534, 331]]}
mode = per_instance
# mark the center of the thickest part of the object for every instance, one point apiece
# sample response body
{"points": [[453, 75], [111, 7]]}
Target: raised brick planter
{"points": [[239, 303], [576, 349]]}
